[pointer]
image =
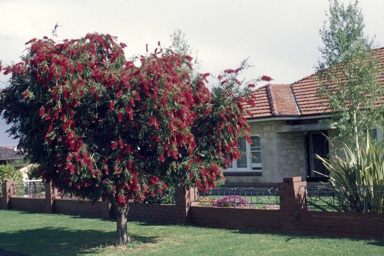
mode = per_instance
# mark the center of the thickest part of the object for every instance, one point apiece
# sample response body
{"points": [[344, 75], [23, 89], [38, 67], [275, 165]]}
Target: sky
{"points": [[280, 38]]}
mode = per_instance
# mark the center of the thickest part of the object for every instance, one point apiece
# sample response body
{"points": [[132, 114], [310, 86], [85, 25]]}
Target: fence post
{"points": [[292, 202], [8, 189], [50, 196], [184, 198]]}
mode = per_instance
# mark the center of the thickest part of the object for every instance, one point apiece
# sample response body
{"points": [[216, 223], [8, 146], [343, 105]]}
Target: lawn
{"points": [[50, 234]]}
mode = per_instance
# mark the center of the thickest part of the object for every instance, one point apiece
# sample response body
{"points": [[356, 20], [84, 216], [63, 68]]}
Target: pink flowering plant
{"points": [[234, 201]]}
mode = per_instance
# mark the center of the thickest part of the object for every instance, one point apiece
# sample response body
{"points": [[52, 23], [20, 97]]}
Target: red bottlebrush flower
{"points": [[204, 76], [75, 103], [175, 155], [129, 148], [203, 172], [161, 157], [229, 71], [207, 111], [266, 78], [7, 70], [31, 41], [137, 95], [112, 105], [239, 69], [156, 138], [129, 64], [121, 200], [154, 180], [129, 112], [66, 93], [159, 191], [251, 85], [199, 186], [121, 144], [132, 102], [118, 95], [114, 144], [25, 94], [189, 58], [153, 121], [123, 45], [41, 111], [120, 117]]}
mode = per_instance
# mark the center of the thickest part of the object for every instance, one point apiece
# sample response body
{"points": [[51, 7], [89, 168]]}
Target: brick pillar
{"points": [[50, 196], [184, 198], [292, 202], [8, 189]]}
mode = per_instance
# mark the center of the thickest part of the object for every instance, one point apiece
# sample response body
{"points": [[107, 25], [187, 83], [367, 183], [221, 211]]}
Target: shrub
{"points": [[8, 172], [234, 201], [357, 177]]}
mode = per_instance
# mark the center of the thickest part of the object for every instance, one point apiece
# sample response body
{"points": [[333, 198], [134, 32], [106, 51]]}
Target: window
{"points": [[251, 157]]}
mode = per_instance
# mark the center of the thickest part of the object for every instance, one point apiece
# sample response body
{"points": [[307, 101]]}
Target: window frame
{"points": [[251, 166]]}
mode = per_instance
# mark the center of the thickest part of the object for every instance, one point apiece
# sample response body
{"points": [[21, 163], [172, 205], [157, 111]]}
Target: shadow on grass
{"points": [[377, 243], [60, 241]]}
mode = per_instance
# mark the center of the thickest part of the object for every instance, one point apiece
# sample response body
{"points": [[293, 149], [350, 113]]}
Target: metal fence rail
{"points": [[342, 199], [29, 189], [240, 197]]}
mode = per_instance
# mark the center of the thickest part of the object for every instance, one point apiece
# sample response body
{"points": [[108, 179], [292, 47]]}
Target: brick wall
{"points": [[235, 218], [353, 225], [291, 218], [28, 204], [153, 212], [81, 207]]}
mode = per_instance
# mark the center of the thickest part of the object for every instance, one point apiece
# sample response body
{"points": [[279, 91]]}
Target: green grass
{"points": [[49, 234]]}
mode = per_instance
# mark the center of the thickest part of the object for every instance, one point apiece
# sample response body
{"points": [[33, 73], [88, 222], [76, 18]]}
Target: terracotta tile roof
{"points": [[297, 99], [7, 153], [274, 100], [307, 98]]}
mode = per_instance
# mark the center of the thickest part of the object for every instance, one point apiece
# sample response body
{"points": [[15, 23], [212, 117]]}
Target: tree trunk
{"points": [[355, 131], [121, 215]]}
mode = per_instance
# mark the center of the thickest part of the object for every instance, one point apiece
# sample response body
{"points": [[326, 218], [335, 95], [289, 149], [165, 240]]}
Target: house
{"points": [[286, 134], [10, 156]]}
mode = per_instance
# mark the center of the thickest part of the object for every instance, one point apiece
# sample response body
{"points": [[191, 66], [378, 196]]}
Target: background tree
{"points": [[8, 172], [100, 127], [348, 73]]}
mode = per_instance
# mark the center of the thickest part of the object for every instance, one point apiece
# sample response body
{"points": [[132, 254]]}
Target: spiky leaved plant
{"points": [[357, 176]]}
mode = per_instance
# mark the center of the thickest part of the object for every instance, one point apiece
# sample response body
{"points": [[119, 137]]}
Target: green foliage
{"points": [[103, 126], [8, 172], [349, 72], [168, 197], [357, 177]]}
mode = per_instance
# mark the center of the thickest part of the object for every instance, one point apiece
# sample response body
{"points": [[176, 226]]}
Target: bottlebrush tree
{"points": [[100, 126]]}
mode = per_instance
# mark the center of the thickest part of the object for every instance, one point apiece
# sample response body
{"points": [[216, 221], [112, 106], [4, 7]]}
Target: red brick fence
{"points": [[291, 218]]}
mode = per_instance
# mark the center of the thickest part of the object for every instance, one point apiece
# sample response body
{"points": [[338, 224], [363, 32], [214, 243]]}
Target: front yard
{"points": [[49, 234]]}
